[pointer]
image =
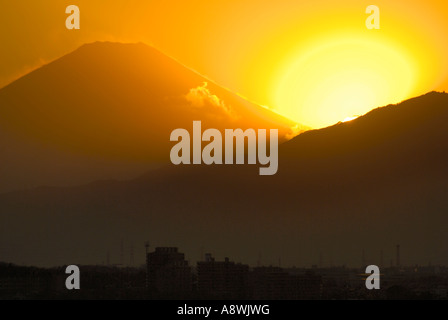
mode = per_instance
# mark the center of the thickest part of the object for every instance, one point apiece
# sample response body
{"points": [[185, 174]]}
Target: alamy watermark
{"points": [[234, 142]]}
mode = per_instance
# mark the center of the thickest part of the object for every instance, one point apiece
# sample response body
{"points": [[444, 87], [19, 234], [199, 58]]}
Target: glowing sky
{"points": [[313, 61]]}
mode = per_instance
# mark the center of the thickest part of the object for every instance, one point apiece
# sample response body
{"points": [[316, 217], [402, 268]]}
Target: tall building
{"points": [[222, 279], [168, 271]]}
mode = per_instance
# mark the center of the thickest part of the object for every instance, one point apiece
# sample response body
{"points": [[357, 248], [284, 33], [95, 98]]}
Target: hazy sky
{"points": [[281, 53]]}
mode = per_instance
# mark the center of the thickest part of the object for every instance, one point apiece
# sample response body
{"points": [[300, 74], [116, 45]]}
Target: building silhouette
{"points": [[168, 271], [222, 279]]}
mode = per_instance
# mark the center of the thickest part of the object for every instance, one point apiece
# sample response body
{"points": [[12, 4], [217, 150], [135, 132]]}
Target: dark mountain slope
{"points": [[106, 111], [369, 184]]}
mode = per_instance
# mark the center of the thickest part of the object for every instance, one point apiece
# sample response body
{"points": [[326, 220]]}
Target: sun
{"points": [[348, 119], [338, 78]]}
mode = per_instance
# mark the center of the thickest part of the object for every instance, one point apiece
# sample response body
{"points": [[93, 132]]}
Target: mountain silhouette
{"points": [[106, 111], [364, 185]]}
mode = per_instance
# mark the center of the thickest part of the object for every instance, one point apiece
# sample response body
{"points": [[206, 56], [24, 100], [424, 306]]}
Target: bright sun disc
{"points": [[349, 119], [342, 78]]}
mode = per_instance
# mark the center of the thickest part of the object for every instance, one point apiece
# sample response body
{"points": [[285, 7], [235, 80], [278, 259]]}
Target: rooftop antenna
{"points": [[131, 259], [122, 253], [147, 263], [363, 259], [381, 258], [147, 246]]}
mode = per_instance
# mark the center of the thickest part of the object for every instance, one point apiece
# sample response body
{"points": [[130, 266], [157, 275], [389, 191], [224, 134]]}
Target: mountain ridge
{"points": [[326, 201], [106, 111]]}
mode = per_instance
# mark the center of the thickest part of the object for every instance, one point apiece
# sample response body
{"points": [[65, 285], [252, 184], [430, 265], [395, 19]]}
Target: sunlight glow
{"points": [[338, 78], [350, 119]]}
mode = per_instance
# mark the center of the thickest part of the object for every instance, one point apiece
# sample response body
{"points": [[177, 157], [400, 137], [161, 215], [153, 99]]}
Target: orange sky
{"points": [[299, 58]]}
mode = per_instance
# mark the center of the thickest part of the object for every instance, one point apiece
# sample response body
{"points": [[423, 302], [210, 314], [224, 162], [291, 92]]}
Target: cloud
{"points": [[295, 131], [201, 97]]}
